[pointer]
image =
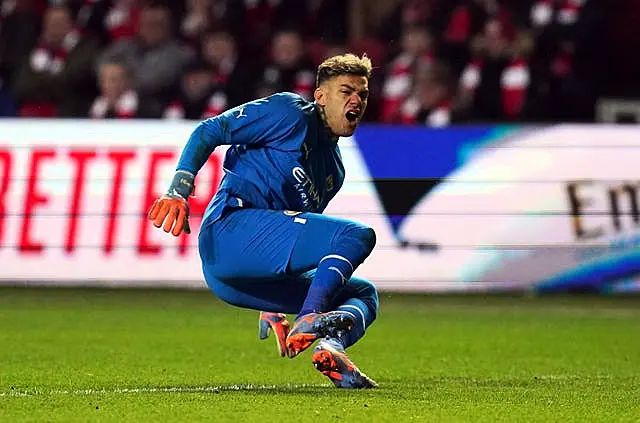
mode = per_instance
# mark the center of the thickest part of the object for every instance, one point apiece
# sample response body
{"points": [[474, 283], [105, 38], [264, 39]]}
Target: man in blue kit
{"points": [[263, 242]]}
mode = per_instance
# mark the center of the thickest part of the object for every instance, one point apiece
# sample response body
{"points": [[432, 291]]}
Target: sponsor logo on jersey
{"points": [[306, 189]]}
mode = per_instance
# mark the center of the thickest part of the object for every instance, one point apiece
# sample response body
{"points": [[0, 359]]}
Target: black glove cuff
{"points": [[182, 184]]}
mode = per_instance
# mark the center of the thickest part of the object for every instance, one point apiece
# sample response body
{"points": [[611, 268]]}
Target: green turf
{"points": [[101, 355]]}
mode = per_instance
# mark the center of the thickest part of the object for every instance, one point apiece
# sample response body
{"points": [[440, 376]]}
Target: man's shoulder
{"points": [[291, 101], [288, 107]]}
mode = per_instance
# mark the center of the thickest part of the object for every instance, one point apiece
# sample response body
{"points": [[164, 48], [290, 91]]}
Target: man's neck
{"points": [[323, 117]]}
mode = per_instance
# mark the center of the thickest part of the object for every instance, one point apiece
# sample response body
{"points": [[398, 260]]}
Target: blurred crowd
{"points": [[436, 61]]}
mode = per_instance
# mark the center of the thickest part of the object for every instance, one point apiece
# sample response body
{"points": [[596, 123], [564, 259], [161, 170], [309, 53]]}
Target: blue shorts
{"points": [[247, 258]]}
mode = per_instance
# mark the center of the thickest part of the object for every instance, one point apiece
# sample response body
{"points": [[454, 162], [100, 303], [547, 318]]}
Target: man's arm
{"points": [[272, 121]]}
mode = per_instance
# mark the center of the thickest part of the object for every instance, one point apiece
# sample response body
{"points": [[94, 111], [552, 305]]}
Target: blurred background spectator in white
{"points": [[431, 102], [56, 77], [417, 49], [156, 55], [198, 96], [111, 20], [289, 69], [219, 79], [118, 99], [495, 84]]}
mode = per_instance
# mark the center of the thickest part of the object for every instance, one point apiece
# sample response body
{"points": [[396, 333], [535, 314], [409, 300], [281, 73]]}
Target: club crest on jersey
{"points": [[291, 212]]}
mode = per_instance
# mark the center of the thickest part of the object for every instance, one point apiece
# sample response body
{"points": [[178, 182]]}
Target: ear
{"points": [[320, 96]]}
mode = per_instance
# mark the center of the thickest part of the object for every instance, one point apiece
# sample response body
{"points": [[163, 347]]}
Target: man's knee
{"points": [[368, 238], [371, 299], [360, 237], [366, 292]]}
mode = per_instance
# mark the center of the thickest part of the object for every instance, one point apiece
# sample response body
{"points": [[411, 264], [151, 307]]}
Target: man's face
{"points": [[287, 49], [218, 48], [196, 84], [431, 91], [154, 26], [344, 99], [113, 80], [497, 43], [57, 24], [416, 41]]}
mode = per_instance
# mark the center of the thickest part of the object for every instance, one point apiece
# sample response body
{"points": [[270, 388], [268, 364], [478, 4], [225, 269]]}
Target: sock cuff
{"points": [[359, 314], [338, 258]]}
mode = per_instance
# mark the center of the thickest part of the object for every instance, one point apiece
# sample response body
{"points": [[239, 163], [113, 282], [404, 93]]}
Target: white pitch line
{"points": [[152, 390]]}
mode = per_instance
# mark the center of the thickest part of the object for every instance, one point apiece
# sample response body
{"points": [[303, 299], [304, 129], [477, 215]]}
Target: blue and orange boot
{"points": [[312, 326], [331, 360], [278, 323]]}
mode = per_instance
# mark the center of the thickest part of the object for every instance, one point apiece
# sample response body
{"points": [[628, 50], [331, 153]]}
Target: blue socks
{"points": [[332, 273], [351, 246], [363, 318]]}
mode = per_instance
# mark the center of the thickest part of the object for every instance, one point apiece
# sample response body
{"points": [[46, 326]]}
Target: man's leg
{"points": [[249, 247], [360, 298], [345, 246], [254, 244]]}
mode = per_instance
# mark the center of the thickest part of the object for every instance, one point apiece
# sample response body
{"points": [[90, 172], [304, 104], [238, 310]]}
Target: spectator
{"points": [[19, 29], [218, 81], [568, 35], [325, 20], [56, 80], [495, 83], [289, 68], [197, 19], [416, 48], [430, 14], [155, 55], [465, 23], [202, 16], [118, 99], [253, 23], [199, 97], [431, 103], [110, 20], [7, 107], [234, 75]]}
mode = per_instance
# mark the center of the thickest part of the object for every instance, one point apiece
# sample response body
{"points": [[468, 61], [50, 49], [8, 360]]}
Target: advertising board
{"points": [[458, 209]]}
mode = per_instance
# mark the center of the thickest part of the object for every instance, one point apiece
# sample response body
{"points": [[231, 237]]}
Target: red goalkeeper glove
{"points": [[171, 211]]}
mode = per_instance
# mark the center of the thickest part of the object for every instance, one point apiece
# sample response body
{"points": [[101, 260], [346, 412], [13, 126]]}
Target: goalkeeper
{"points": [[263, 242]]}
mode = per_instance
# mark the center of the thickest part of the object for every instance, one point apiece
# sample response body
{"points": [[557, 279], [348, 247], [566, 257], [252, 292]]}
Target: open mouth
{"points": [[352, 115]]}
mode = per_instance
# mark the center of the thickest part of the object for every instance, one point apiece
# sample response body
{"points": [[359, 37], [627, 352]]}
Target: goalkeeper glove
{"points": [[171, 211]]}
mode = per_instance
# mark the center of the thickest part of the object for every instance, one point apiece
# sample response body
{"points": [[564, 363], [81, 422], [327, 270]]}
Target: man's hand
{"points": [[173, 211]]}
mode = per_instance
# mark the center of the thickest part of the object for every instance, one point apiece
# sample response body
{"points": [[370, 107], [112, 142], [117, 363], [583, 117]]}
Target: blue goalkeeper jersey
{"points": [[281, 156]]}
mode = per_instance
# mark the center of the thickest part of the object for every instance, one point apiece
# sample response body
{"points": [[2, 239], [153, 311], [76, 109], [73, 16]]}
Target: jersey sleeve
{"points": [[276, 122]]}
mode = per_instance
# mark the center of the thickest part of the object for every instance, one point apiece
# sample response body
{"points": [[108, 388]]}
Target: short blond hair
{"points": [[346, 64]]}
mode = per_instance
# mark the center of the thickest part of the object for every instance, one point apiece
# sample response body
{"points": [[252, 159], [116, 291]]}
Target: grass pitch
{"points": [[135, 355]]}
